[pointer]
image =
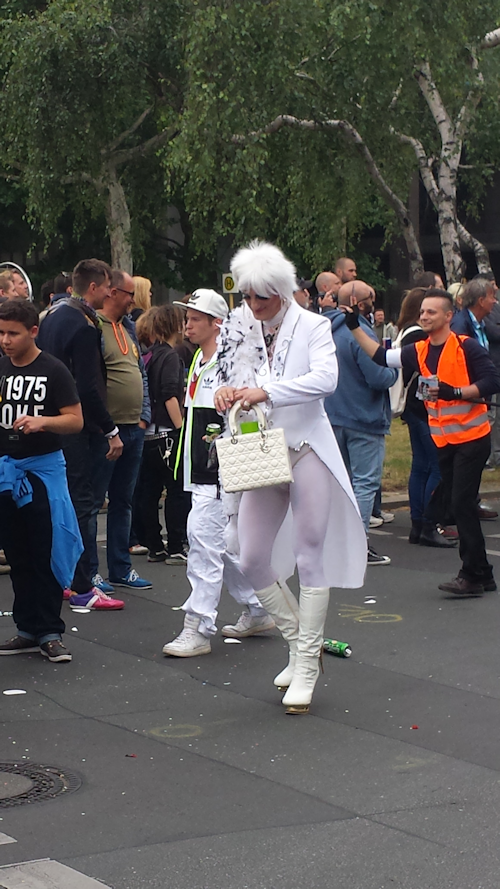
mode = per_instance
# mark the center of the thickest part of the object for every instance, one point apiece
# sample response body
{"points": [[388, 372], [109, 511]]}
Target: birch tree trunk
{"points": [[450, 244], [483, 261], [447, 211]]}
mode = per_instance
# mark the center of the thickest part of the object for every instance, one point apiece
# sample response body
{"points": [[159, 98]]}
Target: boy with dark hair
{"points": [[38, 525]]}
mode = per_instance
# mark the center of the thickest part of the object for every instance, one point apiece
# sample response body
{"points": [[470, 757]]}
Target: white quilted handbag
{"points": [[254, 460]]}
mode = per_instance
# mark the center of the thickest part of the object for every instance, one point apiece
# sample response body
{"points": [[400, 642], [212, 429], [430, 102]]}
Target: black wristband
{"points": [[352, 318]]}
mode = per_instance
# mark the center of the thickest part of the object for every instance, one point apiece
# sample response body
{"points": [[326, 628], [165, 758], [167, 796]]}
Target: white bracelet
{"points": [[269, 399]]}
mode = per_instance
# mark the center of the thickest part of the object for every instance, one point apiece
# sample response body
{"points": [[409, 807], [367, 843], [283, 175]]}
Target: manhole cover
{"points": [[28, 782]]}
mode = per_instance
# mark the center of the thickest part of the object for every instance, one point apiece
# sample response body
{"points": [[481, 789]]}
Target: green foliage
{"points": [[77, 75], [324, 60]]}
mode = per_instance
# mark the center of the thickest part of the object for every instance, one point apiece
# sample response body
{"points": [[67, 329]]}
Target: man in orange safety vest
{"points": [[456, 377]]}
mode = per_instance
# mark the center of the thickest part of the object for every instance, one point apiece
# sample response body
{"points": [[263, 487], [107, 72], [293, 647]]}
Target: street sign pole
{"points": [[229, 287]]}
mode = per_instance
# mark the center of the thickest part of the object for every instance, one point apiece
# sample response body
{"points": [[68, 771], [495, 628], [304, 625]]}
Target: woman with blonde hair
{"points": [[142, 296]]}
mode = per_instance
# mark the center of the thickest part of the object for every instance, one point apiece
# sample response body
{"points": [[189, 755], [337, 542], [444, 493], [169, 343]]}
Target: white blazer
{"points": [[304, 370]]}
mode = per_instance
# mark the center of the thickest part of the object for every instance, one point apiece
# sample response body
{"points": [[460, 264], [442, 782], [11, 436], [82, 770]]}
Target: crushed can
{"points": [[340, 649]]}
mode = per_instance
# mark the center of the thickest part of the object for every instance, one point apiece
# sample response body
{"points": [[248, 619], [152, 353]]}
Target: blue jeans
{"points": [[118, 478], [363, 455], [424, 474]]}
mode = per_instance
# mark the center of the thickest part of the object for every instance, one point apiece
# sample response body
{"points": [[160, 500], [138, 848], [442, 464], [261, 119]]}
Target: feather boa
{"points": [[241, 351], [240, 354]]}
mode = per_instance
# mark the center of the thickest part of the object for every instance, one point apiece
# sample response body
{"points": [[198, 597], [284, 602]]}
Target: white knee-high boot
{"points": [[313, 605], [283, 607]]}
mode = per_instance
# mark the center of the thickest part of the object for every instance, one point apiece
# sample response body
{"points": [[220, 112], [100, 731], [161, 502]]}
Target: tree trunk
{"points": [[480, 251], [118, 221], [414, 254], [450, 244], [447, 211]]}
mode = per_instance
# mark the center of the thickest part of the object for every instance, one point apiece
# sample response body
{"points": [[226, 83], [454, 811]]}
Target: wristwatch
{"points": [[114, 432], [457, 393]]}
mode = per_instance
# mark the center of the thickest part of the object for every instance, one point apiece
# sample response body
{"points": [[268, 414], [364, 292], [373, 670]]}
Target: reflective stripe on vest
{"points": [[452, 422]]}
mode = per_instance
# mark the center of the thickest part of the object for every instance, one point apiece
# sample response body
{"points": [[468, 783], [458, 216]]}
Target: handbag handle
{"points": [[236, 409]]}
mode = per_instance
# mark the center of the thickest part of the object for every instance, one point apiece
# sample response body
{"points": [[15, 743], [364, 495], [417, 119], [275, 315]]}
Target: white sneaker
{"points": [[387, 517], [248, 625], [138, 550], [189, 642], [376, 521]]}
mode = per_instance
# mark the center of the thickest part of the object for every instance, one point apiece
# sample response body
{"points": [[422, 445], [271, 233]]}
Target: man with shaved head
{"points": [[360, 294], [328, 285], [345, 269], [359, 409]]}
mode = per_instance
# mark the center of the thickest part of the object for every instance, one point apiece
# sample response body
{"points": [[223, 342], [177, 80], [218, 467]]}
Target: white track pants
{"points": [[210, 565]]}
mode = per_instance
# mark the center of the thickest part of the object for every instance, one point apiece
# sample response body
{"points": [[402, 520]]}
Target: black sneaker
{"points": [[375, 559], [55, 651], [157, 557], [19, 645], [176, 558]]}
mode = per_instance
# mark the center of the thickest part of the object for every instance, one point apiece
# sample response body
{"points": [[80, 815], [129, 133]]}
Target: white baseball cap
{"points": [[207, 301]]}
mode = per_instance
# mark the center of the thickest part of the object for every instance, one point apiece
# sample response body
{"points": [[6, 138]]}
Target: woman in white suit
{"points": [[276, 354]]}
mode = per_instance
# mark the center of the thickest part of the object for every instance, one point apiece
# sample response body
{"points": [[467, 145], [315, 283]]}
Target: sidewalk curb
{"points": [[399, 499]]}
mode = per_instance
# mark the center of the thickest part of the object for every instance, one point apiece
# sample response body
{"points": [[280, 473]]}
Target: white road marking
{"points": [[492, 552], [380, 533], [45, 874], [4, 839]]}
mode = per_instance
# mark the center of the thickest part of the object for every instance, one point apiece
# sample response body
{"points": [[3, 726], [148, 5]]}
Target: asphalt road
{"points": [[193, 777]]}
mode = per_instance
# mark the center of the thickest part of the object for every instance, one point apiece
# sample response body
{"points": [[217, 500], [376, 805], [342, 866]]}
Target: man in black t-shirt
{"points": [[38, 526]]}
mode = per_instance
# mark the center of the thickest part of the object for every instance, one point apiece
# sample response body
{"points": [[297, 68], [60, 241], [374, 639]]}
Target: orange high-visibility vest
{"points": [[452, 422]]}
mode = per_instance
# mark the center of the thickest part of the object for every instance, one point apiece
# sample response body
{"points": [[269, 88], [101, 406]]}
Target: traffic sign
{"points": [[228, 283]]}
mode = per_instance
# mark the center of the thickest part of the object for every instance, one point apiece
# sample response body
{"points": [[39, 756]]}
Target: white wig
{"points": [[263, 268]]}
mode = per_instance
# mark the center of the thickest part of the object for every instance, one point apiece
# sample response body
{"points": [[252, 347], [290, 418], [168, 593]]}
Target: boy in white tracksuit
{"points": [[209, 562]]}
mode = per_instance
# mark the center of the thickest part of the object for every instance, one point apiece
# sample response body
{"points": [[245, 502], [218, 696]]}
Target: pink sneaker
{"points": [[95, 601]]}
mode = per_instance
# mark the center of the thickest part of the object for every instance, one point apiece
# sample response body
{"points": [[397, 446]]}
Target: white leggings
{"points": [[263, 511]]}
